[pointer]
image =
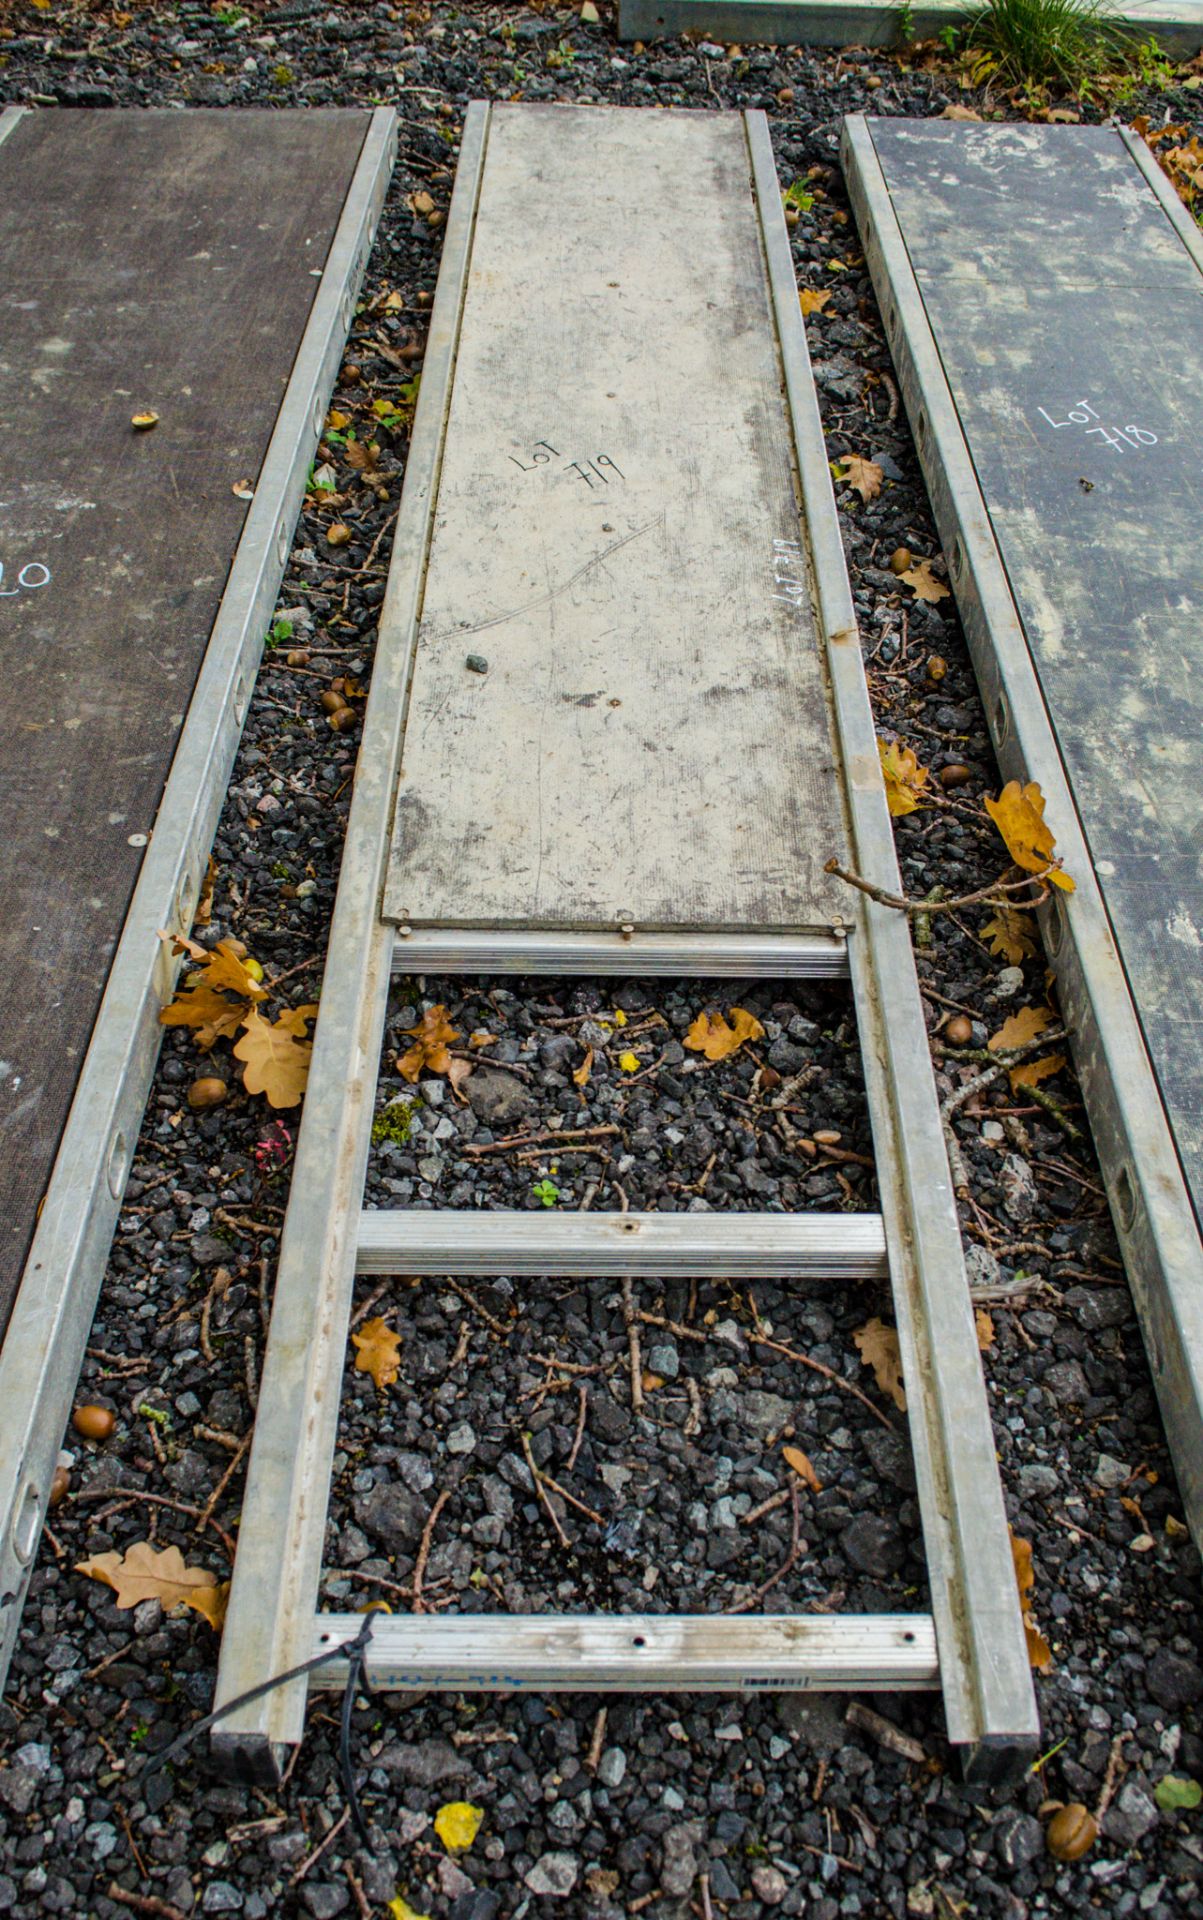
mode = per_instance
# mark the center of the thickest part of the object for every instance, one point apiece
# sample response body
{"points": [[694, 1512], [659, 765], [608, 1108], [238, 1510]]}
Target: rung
{"points": [[737, 1246], [601, 1653], [742, 956]]}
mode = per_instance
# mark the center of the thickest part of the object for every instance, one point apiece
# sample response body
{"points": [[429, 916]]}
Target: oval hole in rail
{"points": [[25, 1523], [1002, 720], [118, 1164], [1125, 1198]]}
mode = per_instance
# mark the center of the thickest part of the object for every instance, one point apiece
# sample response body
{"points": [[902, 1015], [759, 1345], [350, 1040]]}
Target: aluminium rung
{"points": [[603, 1653], [736, 1246], [741, 956]]}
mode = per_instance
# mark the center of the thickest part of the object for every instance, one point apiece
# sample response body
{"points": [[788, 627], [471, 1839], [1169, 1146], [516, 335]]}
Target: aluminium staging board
{"points": [[1042, 289], [201, 266]]}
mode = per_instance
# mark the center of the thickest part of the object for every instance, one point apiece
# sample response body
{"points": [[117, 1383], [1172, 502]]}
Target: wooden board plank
{"points": [[160, 260], [616, 534], [1068, 315]]}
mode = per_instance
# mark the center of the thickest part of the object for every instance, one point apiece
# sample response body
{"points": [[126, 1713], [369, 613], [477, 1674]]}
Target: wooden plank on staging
{"points": [[618, 709]]}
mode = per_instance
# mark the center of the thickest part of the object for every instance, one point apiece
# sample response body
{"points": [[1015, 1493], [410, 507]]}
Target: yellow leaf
{"points": [[1018, 813], [377, 1351], [420, 203], [276, 1057], [878, 1347], [629, 1062], [865, 475], [401, 1910], [1019, 1029], [1040, 1654], [795, 1458], [710, 1034], [1031, 1072], [431, 1037], [924, 582], [650, 1381], [984, 1326], [812, 301], [620, 1018], [457, 1825], [905, 779], [1011, 934], [212, 1015], [143, 422], [581, 1075], [337, 422], [148, 1573]]}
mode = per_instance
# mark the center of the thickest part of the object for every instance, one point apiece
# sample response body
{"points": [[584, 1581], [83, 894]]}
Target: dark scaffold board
{"points": [[201, 267], [1043, 292]]}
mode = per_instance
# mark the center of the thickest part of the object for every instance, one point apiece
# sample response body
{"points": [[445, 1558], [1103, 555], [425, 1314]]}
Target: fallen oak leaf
{"points": [[1018, 813], [1040, 1654], [581, 1074], [864, 475], [924, 583], [377, 1351], [432, 1036], [1020, 1029], [711, 1034], [795, 1458], [1031, 1072], [812, 301], [904, 778], [148, 1573], [984, 1327], [275, 1057], [1010, 933], [878, 1347], [213, 1016]]}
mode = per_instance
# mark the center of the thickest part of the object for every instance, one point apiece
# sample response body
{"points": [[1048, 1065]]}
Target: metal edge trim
{"points": [[985, 1672], [1155, 1225], [44, 1345], [9, 119], [742, 956], [827, 23], [278, 1566]]}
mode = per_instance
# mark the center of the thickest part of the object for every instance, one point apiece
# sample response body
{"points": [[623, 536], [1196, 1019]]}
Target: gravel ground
{"points": [[670, 1804]]}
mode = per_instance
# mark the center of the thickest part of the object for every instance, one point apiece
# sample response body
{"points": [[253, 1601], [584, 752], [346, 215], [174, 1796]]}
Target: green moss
{"points": [[394, 1122]]}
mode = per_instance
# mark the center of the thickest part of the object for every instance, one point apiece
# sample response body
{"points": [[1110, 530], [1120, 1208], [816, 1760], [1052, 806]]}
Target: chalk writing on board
{"points": [[541, 453], [586, 469], [789, 573], [1081, 414], [31, 576]]}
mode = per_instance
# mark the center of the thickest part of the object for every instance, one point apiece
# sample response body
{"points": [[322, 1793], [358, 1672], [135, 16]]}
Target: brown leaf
{"points": [[905, 779], [213, 1015], [431, 1037], [865, 475], [148, 1573], [795, 1458], [1019, 1029], [1031, 1072], [363, 455], [1011, 934], [581, 1075], [925, 583], [878, 1347], [955, 112], [984, 1325], [711, 1035], [377, 1351], [1018, 813], [276, 1056], [457, 1073], [812, 301]]}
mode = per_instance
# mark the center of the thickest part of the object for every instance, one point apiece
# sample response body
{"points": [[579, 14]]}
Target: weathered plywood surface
{"points": [[163, 260], [1069, 318], [617, 534]]}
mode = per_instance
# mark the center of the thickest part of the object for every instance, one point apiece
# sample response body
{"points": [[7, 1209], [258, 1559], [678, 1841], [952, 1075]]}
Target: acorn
{"points": [[332, 701], [339, 535], [959, 1031], [343, 720], [955, 775], [900, 560], [207, 1092], [1071, 1832], [58, 1487], [297, 657], [93, 1423], [937, 667]]}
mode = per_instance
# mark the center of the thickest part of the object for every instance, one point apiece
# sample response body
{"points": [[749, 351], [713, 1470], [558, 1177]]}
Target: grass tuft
{"points": [[1040, 43]]}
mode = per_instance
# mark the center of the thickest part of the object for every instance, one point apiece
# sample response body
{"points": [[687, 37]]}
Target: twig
{"points": [[139, 1862], [988, 896], [461, 1346], [1111, 1777], [539, 1139], [424, 1547], [828, 1373], [145, 1903], [582, 1415], [671, 1326], [795, 1548], [593, 1757], [1051, 1106], [121, 1501], [471, 1300], [693, 1423], [361, 1313], [770, 1505], [211, 1503], [541, 1492], [571, 1498], [312, 1859], [884, 1732], [356, 1886], [636, 1356]]}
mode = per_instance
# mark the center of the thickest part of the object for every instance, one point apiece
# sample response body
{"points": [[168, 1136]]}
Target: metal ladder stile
{"points": [[971, 1646]]}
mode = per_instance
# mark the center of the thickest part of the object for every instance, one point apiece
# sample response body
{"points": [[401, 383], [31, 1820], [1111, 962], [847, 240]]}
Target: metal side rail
{"points": [[973, 1644]]}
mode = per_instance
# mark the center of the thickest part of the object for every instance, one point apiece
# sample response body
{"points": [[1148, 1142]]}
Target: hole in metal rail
{"points": [[118, 1164], [1056, 925], [25, 1523], [638, 1641], [282, 543], [921, 428], [958, 556], [240, 693], [1125, 1198], [1002, 721], [183, 901]]}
